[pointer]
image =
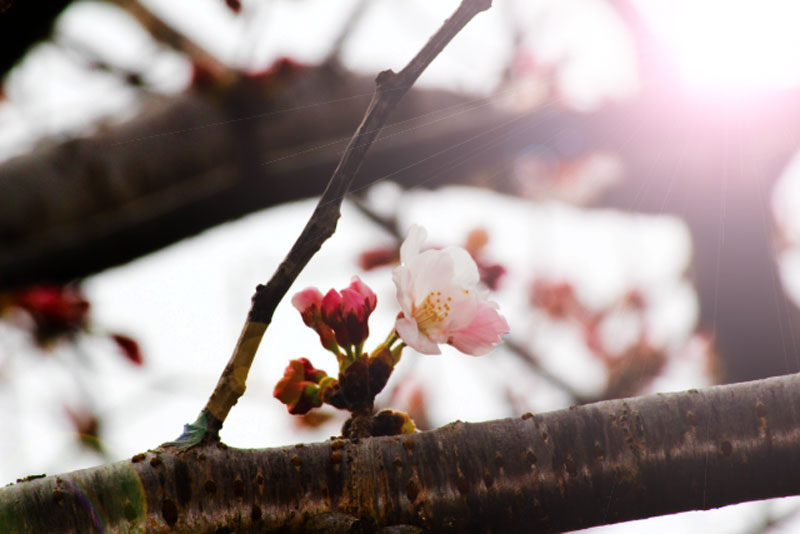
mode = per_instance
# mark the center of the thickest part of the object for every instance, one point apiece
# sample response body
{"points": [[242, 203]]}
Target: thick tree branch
{"points": [[390, 89], [79, 207], [197, 160], [591, 465]]}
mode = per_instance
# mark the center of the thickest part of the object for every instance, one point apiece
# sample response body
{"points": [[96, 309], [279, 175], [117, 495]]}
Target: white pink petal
{"points": [[441, 302]]}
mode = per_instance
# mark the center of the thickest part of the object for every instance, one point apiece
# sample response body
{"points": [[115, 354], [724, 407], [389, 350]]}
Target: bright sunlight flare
{"points": [[730, 46]]}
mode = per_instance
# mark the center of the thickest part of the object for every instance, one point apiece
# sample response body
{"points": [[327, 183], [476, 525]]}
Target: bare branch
{"points": [[389, 224], [773, 521], [168, 35], [354, 17], [533, 361]]}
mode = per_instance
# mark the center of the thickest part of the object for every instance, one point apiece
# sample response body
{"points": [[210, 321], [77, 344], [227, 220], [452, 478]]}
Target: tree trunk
{"points": [[591, 465], [716, 171]]}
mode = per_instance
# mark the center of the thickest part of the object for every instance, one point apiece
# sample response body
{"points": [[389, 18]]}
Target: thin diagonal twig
{"points": [[388, 223], [528, 357], [357, 11], [390, 88], [166, 34]]}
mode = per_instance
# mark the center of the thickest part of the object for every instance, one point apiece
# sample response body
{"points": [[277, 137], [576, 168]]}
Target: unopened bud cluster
{"points": [[440, 301]]}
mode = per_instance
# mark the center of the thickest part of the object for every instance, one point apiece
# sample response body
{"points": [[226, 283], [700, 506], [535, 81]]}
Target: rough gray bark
{"points": [[595, 464]]}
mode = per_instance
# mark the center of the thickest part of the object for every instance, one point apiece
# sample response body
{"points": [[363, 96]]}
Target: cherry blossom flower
{"points": [[441, 302]]}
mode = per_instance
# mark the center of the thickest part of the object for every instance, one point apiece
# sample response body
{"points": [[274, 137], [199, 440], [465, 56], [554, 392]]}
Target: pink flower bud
{"points": [[347, 313], [309, 303], [363, 289]]}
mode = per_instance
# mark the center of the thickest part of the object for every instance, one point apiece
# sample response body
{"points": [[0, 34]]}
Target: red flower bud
{"points": [[56, 310], [332, 315], [348, 312], [299, 389], [130, 348]]}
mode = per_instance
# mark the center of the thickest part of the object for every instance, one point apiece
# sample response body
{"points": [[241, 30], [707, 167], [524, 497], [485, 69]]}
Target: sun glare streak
{"points": [[729, 46]]}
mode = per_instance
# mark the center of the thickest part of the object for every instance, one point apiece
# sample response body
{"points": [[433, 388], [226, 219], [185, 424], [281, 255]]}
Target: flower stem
{"points": [[393, 337], [397, 352]]}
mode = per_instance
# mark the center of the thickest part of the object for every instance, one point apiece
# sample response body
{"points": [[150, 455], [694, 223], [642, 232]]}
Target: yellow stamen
{"points": [[431, 312]]}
